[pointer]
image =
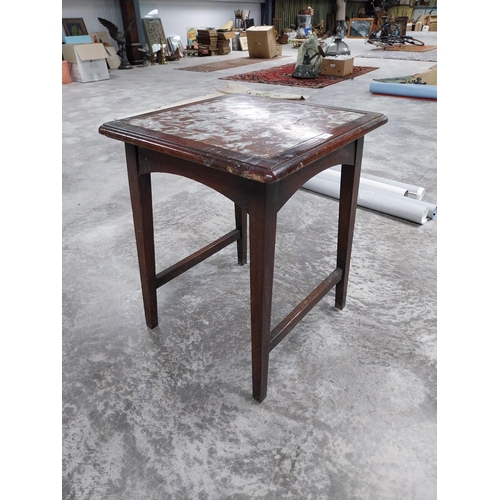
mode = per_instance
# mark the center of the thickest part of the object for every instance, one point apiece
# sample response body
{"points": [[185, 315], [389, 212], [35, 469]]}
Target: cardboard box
{"points": [[337, 67], [225, 35], [88, 62], [223, 47], [427, 19], [261, 42], [77, 40], [418, 26], [433, 26]]}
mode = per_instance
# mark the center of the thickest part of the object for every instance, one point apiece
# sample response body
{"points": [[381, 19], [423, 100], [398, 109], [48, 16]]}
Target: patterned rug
{"points": [[282, 75], [226, 64]]}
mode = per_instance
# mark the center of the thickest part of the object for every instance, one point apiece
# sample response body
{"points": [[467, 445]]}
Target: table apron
{"points": [[235, 187]]}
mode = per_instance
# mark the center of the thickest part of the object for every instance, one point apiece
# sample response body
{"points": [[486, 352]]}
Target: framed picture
{"points": [[74, 27], [191, 35], [244, 43], [155, 36], [360, 27], [174, 42]]}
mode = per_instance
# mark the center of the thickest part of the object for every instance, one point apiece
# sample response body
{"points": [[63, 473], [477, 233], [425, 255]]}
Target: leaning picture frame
{"points": [[74, 26], [191, 36], [360, 27], [243, 42], [174, 43], [155, 35]]}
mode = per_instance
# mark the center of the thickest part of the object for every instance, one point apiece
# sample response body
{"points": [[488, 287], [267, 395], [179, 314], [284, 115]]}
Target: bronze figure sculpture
{"points": [[120, 38]]}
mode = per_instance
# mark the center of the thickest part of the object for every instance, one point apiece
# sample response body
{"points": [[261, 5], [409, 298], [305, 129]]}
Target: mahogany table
{"points": [[257, 152]]}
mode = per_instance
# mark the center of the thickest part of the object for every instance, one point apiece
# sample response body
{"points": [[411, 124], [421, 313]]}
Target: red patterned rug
{"points": [[282, 75]]}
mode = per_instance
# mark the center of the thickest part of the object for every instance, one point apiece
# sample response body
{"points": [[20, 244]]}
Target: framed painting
{"points": [[155, 36], [191, 35], [360, 27], [74, 27], [174, 43], [243, 42]]}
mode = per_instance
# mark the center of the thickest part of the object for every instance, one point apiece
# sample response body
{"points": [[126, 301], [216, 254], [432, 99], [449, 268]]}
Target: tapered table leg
{"points": [[349, 188], [262, 247], [241, 224], [142, 211]]}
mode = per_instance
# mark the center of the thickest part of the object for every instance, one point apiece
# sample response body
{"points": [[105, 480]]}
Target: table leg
{"points": [[262, 246], [241, 224], [142, 211], [349, 188]]}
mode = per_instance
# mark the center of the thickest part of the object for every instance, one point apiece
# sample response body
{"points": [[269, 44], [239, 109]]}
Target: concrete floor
{"points": [[168, 413]]}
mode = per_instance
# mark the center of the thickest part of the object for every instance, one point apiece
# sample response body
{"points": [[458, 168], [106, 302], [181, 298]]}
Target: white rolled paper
{"points": [[322, 186], [416, 192], [391, 205], [431, 206], [334, 175], [397, 206]]}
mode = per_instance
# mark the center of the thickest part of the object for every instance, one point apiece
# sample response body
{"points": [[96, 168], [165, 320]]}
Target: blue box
{"points": [[72, 40]]}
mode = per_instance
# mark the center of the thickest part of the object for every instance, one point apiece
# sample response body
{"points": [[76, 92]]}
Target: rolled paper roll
{"points": [[365, 183], [404, 90], [397, 206], [414, 191]]}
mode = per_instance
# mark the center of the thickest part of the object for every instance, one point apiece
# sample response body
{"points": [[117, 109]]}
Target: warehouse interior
{"points": [[167, 413]]}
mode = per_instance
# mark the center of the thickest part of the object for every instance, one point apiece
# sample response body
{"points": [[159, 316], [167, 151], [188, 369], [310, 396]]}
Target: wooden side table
{"points": [[257, 152]]}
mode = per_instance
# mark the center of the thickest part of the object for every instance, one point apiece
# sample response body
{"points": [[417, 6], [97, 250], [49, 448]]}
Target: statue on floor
{"points": [[120, 39]]}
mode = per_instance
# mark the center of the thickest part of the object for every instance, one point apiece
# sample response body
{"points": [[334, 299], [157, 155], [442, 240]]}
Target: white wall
{"points": [[175, 16]]}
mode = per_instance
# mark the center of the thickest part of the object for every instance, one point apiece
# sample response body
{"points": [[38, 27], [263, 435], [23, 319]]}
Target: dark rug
{"points": [[226, 64], [282, 75], [411, 48]]}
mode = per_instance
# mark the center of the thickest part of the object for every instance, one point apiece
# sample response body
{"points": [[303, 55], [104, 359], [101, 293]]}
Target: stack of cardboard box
{"points": [[426, 20], [209, 38], [224, 42]]}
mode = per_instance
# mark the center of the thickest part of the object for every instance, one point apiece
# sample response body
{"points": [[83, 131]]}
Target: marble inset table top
{"points": [[239, 125], [246, 134]]}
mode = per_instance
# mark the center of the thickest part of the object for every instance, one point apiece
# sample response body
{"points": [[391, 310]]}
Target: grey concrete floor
{"points": [[168, 413]]}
